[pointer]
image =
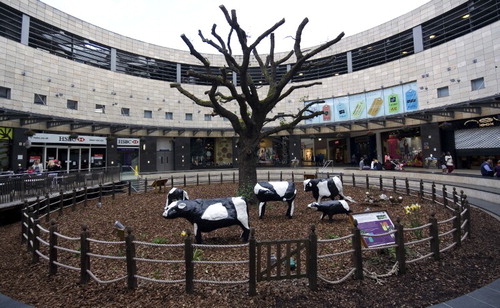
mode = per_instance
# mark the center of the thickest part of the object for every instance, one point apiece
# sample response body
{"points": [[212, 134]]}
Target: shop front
{"points": [[274, 151], [74, 153], [404, 146], [211, 153]]}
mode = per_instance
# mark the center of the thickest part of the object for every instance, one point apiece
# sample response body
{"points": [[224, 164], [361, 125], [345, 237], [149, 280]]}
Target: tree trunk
{"points": [[247, 167]]}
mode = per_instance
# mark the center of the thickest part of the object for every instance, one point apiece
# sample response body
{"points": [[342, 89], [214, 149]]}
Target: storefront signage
{"points": [[128, 142], [484, 122], [374, 223], [53, 138], [377, 103]]}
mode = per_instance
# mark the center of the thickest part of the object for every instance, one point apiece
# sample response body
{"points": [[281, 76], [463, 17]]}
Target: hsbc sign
{"points": [[53, 138], [128, 142]]}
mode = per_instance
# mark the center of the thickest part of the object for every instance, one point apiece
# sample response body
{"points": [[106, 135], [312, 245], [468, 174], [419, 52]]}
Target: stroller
{"points": [[397, 165]]}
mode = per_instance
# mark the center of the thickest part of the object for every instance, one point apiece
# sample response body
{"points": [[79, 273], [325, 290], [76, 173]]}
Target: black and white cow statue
{"points": [[275, 191], [330, 208], [209, 214], [330, 187], [176, 194]]}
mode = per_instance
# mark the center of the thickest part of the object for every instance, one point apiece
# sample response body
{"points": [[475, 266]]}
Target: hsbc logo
{"points": [[128, 142]]}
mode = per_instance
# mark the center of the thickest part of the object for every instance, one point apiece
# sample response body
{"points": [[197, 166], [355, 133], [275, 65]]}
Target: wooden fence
{"points": [[266, 260]]}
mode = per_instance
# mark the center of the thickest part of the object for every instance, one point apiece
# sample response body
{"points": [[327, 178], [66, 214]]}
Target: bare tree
{"points": [[251, 120]]}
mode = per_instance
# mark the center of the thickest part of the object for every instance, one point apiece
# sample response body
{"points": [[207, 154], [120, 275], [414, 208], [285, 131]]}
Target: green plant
{"points": [[246, 192], [160, 240], [413, 214], [197, 255], [332, 236]]}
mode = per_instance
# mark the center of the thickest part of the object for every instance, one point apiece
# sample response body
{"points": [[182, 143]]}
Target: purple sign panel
{"points": [[375, 223]]}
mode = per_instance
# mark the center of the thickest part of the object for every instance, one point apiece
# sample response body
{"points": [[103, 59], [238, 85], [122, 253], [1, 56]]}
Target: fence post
{"points": [[268, 176], [37, 205], [188, 258], [113, 191], [35, 258], [434, 234], [221, 178], [24, 221], [185, 179], [467, 227], [421, 188], [73, 204], [29, 228], [367, 183], [52, 247], [197, 179], [145, 185], [381, 183], [281, 175], [357, 254], [394, 184], [129, 188], [433, 192], [234, 177], [172, 181], [456, 225], [252, 267], [407, 184], [341, 177], [455, 196], [313, 259], [47, 207], [353, 180], [445, 196], [84, 257], [400, 248], [61, 202], [131, 263], [293, 177]]}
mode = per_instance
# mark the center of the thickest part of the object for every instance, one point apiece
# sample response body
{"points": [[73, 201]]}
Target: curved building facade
{"points": [[413, 87]]}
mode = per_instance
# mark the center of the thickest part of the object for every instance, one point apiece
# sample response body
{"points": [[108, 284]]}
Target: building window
{"points": [[40, 99], [71, 104], [126, 112], [100, 108], [4, 92], [189, 117], [148, 114], [443, 92], [169, 115], [208, 117], [477, 84]]}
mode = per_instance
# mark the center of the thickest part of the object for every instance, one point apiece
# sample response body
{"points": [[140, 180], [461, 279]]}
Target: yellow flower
{"points": [[183, 233]]}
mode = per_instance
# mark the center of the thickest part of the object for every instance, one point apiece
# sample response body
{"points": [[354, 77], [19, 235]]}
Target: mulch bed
{"points": [[426, 282]]}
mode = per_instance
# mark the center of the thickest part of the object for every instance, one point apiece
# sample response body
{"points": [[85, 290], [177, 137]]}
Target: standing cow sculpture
{"points": [[210, 214], [330, 208], [330, 187], [176, 194], [275, 191]]}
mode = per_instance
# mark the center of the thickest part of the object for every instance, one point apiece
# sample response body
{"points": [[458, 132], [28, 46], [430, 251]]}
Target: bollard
{"points": [[400, 248], [131, 263], [84, 257], [52, 247], [357, 257], [252, 267]]}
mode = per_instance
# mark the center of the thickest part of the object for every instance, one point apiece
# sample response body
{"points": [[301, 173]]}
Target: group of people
{"points": [[53, 165], [365, 164], [446, 163], [487, 168]]}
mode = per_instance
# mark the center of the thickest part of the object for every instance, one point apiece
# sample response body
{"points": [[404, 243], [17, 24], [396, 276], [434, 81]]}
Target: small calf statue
{"points": [[330, 187], [275, 191], [330, 208], [210, 214], [176, 194]]}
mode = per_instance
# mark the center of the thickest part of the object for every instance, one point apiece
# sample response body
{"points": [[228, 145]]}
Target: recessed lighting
{"points": [[432, 36], [466, 16], [404, 52]]}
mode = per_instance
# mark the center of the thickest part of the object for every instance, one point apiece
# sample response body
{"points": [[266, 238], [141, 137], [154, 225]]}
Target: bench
{"points": [[159, 183]]}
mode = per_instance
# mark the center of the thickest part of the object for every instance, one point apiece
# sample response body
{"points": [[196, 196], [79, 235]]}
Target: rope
{"points": [[66, 266], [420, 258], [105, 281], [157, 245], [41, 255], [465, 236], [448, 232], [105, 242], [67, 249], [221, 262], [336, 239], [42, 229], [219, 246], [42, 241], [463, 212], [340, 280], [159, 280], [221, 282], [377, 277], [463, 224], [447, 220], [419, 241], [106, 256], [447, 248], [335, 254], [417, 228], [159, 261], [67, 237]]}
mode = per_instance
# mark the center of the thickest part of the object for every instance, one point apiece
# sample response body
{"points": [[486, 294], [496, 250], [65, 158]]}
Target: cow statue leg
{"points": [[262, 209], [245, 234], [291, 207], [197, 233]]}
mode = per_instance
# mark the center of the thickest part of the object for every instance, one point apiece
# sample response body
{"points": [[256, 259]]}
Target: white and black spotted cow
{"points": [[275, 191], [176, 194], [330, 187], [331, 208], [210, 214]]}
